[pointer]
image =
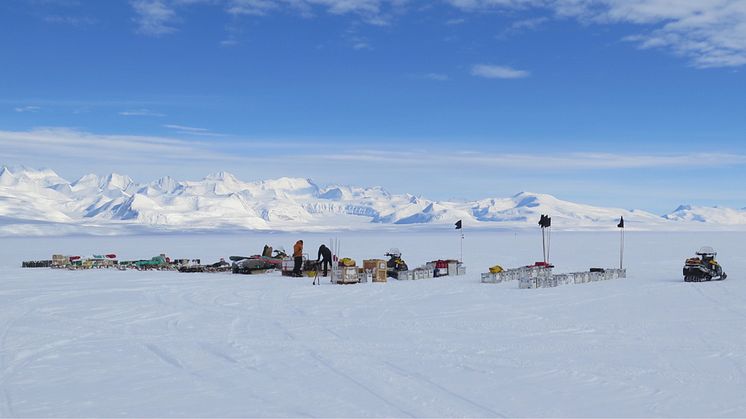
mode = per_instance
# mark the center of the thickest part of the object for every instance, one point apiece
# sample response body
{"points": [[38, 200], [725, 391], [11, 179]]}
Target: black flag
{"points": [[545, 221], [621, 222], [458, 225]]}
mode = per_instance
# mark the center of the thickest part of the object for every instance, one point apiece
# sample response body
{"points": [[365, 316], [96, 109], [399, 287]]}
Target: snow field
{"points": [[110, 343]]}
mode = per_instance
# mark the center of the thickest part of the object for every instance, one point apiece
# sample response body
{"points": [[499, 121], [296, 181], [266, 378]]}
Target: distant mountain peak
{"points": [[221, 199], [6, 177], [88, 179], [222, 176], [115, 180]]}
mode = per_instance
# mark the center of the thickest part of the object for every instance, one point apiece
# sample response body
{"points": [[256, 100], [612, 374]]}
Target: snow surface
{"points": [[111, 344], [39, 202]]}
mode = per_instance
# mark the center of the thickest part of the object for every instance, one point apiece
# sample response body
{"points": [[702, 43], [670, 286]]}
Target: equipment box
{"points": [[364, 275], [377, 267], [347, 275], [452, 268], [405, 275], [287, 266], [60, 260], [380, 276]]}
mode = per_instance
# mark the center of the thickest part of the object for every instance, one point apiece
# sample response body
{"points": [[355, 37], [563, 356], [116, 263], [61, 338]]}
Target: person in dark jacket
{"points": [[298, 258], [325, 256]]}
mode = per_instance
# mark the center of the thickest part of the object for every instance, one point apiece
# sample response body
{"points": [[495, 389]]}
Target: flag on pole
{"points": [[458, 225], [545, 221], [621, 222]]}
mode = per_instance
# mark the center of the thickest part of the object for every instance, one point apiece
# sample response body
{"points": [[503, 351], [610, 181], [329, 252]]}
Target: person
{"points": [[325, 255], [298, 258]]}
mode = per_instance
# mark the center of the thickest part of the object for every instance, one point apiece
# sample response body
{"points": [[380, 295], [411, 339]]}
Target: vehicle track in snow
{"points": [[421, 379]]}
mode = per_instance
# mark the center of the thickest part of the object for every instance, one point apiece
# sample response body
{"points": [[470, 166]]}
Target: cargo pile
{"points": [[110, 261], [78, 262], [541, 275], [497, 274], [593, 275], [36, 264]]}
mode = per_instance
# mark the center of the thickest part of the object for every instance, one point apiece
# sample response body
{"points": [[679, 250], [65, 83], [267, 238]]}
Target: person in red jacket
{"points": [[298, 258]]}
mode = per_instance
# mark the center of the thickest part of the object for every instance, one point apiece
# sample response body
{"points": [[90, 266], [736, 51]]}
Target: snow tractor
{"points": [[703, 267], [395, 263]]}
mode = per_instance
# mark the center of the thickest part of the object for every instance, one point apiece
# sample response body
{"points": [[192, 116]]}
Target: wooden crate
{"points": [[377, 267], [347, 275]]}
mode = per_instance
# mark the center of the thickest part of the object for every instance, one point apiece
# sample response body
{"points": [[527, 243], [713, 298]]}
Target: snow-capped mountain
{"points": [[712, 215], [221, 200]]}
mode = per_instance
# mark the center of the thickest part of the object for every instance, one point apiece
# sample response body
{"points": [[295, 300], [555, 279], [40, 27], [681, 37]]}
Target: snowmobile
{"points": [[258, 263], [269, 260], [395, 263], [251, 265], [703, 267]]}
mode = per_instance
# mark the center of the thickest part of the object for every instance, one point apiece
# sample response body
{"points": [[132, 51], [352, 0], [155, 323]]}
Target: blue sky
{"points": [[612, 102]]}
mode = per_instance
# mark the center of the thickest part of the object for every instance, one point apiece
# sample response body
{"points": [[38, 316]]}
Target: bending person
{"points": [[325, 256]]}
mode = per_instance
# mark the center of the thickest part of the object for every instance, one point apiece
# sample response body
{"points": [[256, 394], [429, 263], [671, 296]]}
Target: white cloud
{"points": [[141, 112], [371, 11], [476, 5], [541, 163], [436, 76], [229, 42], [187, 130], [361, 45], [497, 72], [154, 17], [582, 161], [252, 7], [711, 33], [157, 17], [69, 142], [63, 143], [27, 109]]}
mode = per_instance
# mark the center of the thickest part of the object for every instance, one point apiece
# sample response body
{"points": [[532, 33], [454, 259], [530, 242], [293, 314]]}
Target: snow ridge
{"points": [[221, 200]]}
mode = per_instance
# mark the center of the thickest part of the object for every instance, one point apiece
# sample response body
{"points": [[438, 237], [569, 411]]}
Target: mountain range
{"points": [[41, 202]]}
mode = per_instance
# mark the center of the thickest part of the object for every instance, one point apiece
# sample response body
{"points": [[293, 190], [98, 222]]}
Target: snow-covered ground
{"points": [[109, 343]]}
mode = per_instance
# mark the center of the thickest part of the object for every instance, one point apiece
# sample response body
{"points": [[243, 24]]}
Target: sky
{"points": [[626, 103]]}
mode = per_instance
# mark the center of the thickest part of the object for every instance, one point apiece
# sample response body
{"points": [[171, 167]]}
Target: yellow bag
{"points": [[347, 262], [496, 269]]}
